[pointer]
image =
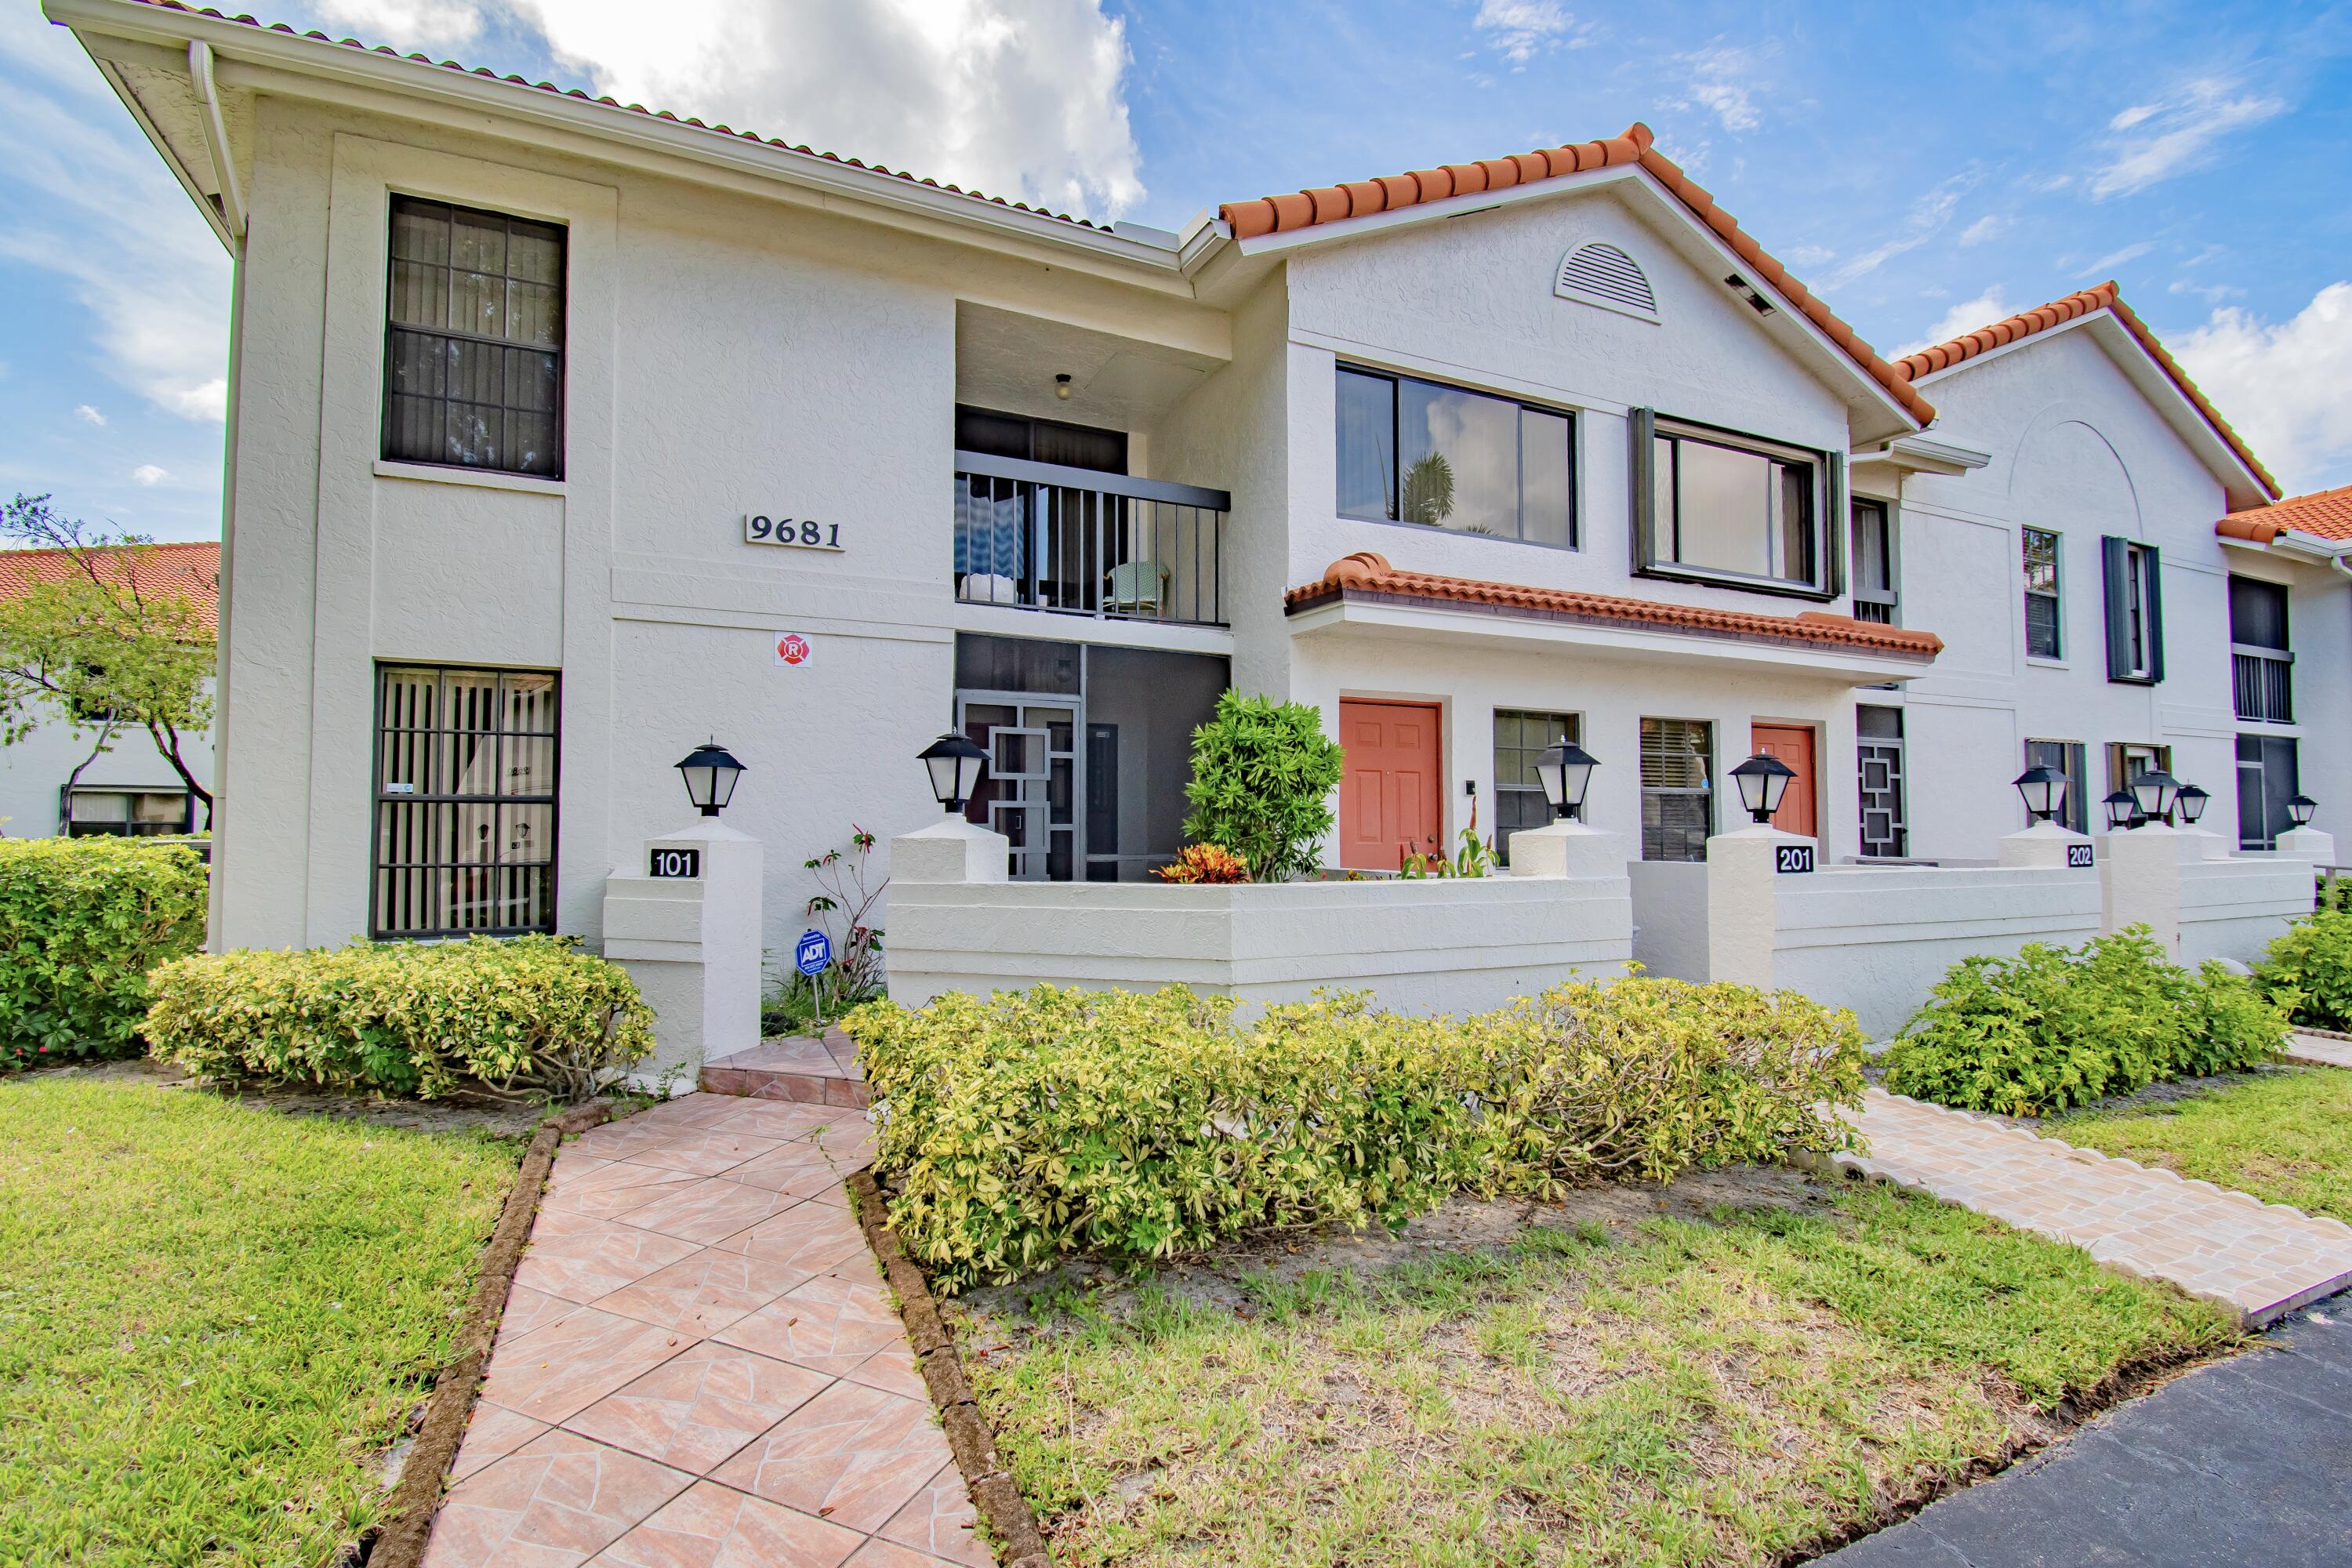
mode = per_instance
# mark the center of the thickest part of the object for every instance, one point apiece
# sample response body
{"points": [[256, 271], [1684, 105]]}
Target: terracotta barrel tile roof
{"points": [[2323, 514], [2057, 313], [1367, 571], [192, 570], [1305, 209]]}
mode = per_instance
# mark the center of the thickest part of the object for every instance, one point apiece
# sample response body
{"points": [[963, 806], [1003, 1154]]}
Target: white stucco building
{"points": [[564, 435]]}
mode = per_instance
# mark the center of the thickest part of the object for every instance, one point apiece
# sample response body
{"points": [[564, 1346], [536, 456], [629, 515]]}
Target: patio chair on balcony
{"points": [[1135, 588]]}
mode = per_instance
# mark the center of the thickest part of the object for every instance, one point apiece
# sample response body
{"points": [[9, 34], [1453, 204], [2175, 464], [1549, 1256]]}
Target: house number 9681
{"points": [[800, 533]]}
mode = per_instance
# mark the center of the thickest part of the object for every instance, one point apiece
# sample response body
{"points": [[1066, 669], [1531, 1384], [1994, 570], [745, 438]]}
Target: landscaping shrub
{"points": [[2054, 1027], [1045, 1122], [2313, 961], [417, 1018], [1263, 773], [81, 922], [1212, 863]]}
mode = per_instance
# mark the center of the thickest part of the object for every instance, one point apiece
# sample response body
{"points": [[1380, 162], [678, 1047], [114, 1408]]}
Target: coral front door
{"points": [[1389, 792], [1795, 747]]}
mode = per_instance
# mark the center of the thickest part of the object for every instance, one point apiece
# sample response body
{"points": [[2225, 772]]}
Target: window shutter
{"points": [[2113, 568], [1836, 527], [2152, 574], [1641, 435]]}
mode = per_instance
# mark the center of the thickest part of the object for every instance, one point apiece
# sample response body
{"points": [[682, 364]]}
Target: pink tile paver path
{"points": [[2260, 1260], [700, 1366]]}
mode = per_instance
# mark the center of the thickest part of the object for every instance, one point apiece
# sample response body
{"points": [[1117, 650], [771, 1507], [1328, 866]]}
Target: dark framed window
{"points": [[2067, 757], [1414, 451], [1715, 506], [473, 361], [466, 764], [2041, 617], [2268, 777], [128, 813], [2262, 670], [1677, 788], [2126, 760], [2135, 595], [1875, 595], [1879, 767], [1520, 737]]}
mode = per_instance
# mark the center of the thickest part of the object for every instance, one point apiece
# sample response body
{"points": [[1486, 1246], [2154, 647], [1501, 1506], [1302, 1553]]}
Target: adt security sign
{"points": [[813, 953]]}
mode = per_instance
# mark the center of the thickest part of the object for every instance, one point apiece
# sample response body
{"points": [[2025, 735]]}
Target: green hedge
{"points": [[2055, 1026], [2310, 967], [1040, 1123], [81, 922], [405, 1017]]}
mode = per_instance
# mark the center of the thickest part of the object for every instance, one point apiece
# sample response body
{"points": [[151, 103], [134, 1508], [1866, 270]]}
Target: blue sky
{"points": [[1925, 169]]}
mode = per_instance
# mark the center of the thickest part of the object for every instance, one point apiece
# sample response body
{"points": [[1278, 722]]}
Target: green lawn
{"points": [[212, 1317], [1721, 1391], [2285, 1136]]}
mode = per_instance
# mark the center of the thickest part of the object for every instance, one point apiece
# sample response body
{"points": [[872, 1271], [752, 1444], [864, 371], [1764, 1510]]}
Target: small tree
{"points": [[1263, 773], [102, 647]]}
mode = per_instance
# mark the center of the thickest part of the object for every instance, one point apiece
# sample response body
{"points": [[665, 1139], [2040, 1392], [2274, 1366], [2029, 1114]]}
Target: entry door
{"points": [[1795, 747], [1389, 793]]}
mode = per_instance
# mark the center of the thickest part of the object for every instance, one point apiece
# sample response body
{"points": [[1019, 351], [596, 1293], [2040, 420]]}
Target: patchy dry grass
{"points": [[1727, 1389], [2285, 1136]]}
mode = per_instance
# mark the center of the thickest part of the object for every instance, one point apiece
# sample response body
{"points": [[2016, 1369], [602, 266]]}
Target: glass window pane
{"points": [[535, 252], [478, 243], [1459, 458], [2041, 562], [420, 294], [528, 704], [534, 313], [1724, 509], [1367, 437], [420, 231], [1793, 561], [1547, 502], [477, 303]]}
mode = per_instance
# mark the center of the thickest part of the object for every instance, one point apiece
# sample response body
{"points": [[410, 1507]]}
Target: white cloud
{"points": [[1963, 318], [88, 416], [2115, 259], [1022, 99], [2279, 385], [1928, 217], [150, 475], [1722, 80], [2154, 141], [1518, 29], [1992, 225]]}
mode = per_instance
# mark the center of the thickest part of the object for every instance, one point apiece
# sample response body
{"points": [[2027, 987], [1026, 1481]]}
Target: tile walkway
{"points": [[2320, 1051], [700, 1366], [2261, 1260], [806, 1070]]}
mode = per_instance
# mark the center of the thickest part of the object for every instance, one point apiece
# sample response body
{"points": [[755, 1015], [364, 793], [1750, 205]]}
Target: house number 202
{"points": [[800, 533]]}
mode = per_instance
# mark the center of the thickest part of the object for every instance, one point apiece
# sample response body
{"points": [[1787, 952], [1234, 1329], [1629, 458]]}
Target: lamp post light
{"points": [[954, 764], [2121, 807], [2301, 810], [1565, 769], [711, 770], [2044, 790], [2154, 793], [1762, 781], [2191, 803]]}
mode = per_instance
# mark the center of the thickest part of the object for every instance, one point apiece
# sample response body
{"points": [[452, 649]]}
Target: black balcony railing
{"points": [[1039, 536], [2263, 683]]}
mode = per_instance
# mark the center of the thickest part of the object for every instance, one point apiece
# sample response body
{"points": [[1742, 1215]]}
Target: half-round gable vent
{"points": [[1601, 274]]}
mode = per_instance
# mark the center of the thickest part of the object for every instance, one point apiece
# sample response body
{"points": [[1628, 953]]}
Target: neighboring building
{"points": [[130, 787], [565, 435]]}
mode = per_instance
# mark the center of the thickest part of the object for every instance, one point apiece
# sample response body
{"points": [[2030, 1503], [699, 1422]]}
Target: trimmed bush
{"points": [[2312, 961], [2054, 1027], [81, 922], [1040, 1123], [1263, 773], [417, 1019]]}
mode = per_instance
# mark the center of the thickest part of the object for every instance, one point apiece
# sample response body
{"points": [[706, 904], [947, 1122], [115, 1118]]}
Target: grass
{"points": [[1728, 1390], [2285, 1136], [212, 1316]]}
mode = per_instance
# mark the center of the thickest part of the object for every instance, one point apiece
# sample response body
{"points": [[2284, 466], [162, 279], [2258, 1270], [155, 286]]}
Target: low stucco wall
{"points": [[2231, 909], [1418, 946], [1670, 918]]}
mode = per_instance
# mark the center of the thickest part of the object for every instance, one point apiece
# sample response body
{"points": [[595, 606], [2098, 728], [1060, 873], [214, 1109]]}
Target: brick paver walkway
{"points": [[699, 1368], [2261, 1260]]}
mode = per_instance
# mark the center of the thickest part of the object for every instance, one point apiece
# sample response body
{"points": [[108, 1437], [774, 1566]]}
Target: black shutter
{"points": [[2114, 568], [2151, 572], [1836, 526], [1642, 436]]}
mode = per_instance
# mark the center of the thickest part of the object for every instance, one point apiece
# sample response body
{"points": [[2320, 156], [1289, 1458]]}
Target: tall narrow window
{"points": [[2262, 669], [1677, 788], [1875, 594], [1414, 451], [1520, 737], [1878, 758], [1722, 506], [2126, 761], [465, 801], [2268, 777], [2135, 594], [474, 340], [2066, 757], [2041, 617]]}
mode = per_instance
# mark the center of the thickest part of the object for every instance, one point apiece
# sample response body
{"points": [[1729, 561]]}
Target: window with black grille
{"points": [[1521, 738], [465, 801], [474, 340]]}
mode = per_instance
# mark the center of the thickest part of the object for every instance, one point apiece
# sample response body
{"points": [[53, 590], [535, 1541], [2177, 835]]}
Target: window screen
{"points": [[474, 340], [1677, 789], [2268, 777], [1520, 739], [465, 801], [2067, 756], [2041, 594]]}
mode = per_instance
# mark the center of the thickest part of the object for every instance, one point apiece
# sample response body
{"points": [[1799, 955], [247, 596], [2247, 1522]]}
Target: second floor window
{"points": [[2135, 594], [1874, 594], [2041, 640], [474, 340], [2262, 669], [1413, 452], [1724, 506]]}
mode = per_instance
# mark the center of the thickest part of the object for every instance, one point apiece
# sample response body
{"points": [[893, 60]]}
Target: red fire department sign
{"points": [[792, 649]]}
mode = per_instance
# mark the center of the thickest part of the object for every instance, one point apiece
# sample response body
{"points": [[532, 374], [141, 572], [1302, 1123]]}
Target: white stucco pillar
{"points": [[950, 850], [2204, 843], [1742, 902], [2139, 881], [1567, 848], [685, 922], [2044, 845], [2308, 844]]}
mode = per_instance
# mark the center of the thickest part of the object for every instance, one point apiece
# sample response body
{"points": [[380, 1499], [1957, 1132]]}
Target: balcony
{"points": [[2263, 682], [1080, 541]]}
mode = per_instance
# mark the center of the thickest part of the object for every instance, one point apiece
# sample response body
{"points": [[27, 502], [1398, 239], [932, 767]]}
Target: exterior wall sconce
{"points": [[2122, 806], [954, 764], [1762, 781], [2191, 803], [2301, 810], [2044, 791], [2155, 792], [711, 770], [1566, 770]]}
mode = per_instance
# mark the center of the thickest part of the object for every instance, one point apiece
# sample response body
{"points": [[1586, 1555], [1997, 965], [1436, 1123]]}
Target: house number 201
{"points": [[800, 533]]}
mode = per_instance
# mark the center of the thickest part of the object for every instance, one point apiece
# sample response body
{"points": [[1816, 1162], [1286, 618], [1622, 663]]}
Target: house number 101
{"points": [[800, 533]]}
